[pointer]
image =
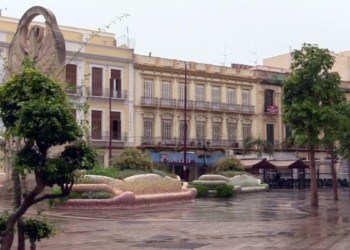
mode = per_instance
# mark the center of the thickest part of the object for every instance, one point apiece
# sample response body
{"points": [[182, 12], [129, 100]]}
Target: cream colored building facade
{"points": [[97, 71]]}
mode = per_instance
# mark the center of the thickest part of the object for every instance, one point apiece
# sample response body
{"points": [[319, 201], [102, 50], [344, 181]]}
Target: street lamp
{"points": [[205, 149]]}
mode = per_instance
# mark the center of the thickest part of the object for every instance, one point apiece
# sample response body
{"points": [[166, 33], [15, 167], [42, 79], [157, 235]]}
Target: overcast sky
{"points": [[197, 30]]}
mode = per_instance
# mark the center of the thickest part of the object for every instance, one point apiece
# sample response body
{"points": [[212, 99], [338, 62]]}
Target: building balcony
{"points": [[197, 105], [178, 143], [106, 93], [101, 139]]}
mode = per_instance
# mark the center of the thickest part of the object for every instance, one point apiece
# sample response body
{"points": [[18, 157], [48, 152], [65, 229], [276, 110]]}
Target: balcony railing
{"points": [[213, 106], [191, 142], [105, 135], [106, 92]]}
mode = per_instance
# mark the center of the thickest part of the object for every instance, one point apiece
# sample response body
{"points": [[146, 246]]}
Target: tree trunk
{"points": [[32, 245], [334, 177], [18, 202], [349, 168], [314, 190]]}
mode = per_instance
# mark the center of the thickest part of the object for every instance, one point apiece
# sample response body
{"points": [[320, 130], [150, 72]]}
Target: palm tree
{"points": [[261, 146]]}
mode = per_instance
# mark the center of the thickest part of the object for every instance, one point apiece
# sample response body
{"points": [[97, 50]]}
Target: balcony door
{"points": [[116, 126], [200, 96], [166, 131], [166, 101], [96, 124], [245, 100], [115, 84], [148, 131], [216, 97], [231, 99], [97, 81], [71, 78], [270, 133], [148, 91]]}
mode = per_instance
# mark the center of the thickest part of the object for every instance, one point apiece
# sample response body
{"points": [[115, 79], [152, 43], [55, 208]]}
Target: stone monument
{"points": [[44, 45]]}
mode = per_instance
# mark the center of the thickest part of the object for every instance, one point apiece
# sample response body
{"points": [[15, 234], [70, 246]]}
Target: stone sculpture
{"points": [[45, 46]]}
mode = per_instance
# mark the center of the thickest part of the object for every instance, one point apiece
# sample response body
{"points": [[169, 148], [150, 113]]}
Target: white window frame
{"points": [[166, 130], [148, 94], [121, 123], [246, 99], [215, 92], [103, 122], [146, 138], [200, 95], [166, 95], [231, 98]]}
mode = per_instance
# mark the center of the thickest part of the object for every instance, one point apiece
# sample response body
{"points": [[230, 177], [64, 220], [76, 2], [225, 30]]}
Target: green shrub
{"points": [[97, 195], [224, 191], [230, 163], [162, 167], [101, 170], [202, 191], [133, 158], [3, 221], [72, 195]]}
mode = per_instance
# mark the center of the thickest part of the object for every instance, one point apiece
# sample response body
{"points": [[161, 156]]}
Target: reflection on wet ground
{"points": [[281, 219]]}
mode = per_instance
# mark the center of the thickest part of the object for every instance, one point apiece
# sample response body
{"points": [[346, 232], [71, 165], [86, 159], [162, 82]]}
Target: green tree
{"points": [[344, 132], [133, 158], [261, 146], [309, 95], [230, 163], [35, 110]]}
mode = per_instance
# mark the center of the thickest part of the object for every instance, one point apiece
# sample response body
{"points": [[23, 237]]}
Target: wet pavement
{"points": [[280, 219]]}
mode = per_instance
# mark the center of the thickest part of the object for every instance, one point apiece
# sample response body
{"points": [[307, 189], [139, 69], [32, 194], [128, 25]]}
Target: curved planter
{"points": [[135, 191]]}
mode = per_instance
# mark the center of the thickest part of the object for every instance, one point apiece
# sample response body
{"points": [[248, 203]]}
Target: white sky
{"points": [[197, 30]]}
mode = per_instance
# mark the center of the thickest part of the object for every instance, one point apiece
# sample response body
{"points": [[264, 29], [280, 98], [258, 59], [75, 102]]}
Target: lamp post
{"points": [[205, 149]]}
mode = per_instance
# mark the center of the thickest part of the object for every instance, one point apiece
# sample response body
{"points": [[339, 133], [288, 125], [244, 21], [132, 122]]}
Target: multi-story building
{"points": [[98, 71], [221, 109]]}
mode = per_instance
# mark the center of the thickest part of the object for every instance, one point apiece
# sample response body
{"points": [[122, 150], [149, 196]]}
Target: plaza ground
{"points": [[280, 219]]}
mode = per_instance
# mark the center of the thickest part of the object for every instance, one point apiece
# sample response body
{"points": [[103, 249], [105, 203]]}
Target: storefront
{"points": [[196, 165]]}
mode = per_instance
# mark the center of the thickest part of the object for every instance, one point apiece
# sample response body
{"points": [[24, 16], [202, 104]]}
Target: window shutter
{"points": [[216, 133], [148, 90], [71, 78], [166, 131], [148, 130], [96, 122], [200, 130], [288, 132], [166, 93], [97, 81]]}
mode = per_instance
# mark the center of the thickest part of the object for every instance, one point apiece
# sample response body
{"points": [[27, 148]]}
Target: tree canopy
{"points": [[38, 115]]}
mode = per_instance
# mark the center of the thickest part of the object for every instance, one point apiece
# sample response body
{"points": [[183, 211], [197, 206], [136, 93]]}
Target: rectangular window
{"points": [[216, 97], [97, 81], [166, 131], [270, 133], [116, 83], [200, 103], [166, 99], [148, 91], [245, 100], [288, 132], [231, 133], [96, 124], [116, 126], [147, 131], [216, 133], [269, 94], [201, 130], [246, 130], [231, 99], [71, 78]]}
